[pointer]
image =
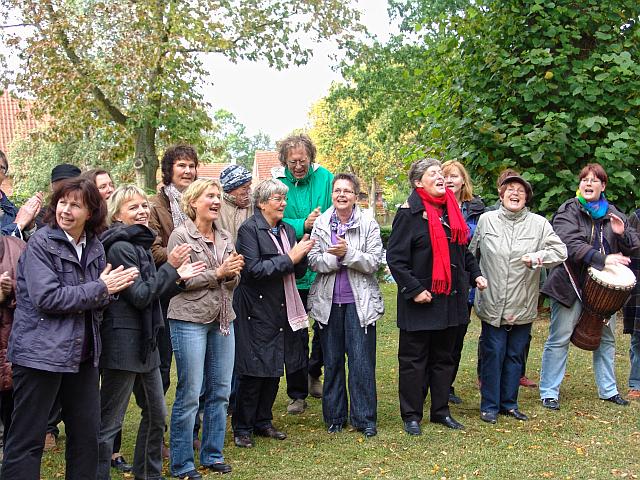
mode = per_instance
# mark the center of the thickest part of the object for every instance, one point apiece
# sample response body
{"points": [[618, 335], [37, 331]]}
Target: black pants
{"points": [[164, 346], [423, 355], [457, 351], [6, 409], [35, 392], [254, 403]]}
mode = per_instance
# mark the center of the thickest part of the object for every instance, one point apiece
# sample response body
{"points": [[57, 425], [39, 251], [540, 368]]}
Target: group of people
{"points": [[112, 285]]}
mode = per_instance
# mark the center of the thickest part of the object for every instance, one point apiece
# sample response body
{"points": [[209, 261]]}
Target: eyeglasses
{"points": [[592, 181], [293, 163], [340, 191], [278, 199], [518, 191]]}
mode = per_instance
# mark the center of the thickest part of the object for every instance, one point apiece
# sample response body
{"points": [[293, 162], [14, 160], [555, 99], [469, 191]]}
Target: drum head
{"points": [[617, 277]]}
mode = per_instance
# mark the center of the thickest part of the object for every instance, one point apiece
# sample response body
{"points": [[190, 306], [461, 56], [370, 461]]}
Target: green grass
{"points": [[586, 439]]}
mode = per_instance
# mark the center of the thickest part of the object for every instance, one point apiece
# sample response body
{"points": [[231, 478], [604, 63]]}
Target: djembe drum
{"points": [[605, 292]]}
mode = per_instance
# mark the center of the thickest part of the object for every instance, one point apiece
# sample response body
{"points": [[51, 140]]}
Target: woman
{"points": [[596, 235], [512, 245], [102, 180], [458, 181], [129, 332], [201, 321], [270, 314], [10, 250], [428, 258], [345, 299], [63, 283]]}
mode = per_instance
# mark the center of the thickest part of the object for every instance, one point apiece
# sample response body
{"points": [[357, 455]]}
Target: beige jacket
{"points": [[501, 239], [231, 216], [204, 298]]}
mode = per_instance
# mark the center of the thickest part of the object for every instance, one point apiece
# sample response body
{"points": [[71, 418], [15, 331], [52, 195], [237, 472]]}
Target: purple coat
{"points": [[53, 293]]}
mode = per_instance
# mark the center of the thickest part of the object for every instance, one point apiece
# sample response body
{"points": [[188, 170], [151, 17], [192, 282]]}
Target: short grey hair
{"points": [[118, 198], [266, 189], [419, 167]]}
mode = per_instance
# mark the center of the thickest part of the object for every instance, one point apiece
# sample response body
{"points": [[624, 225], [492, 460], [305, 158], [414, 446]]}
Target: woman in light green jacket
{"points": [[512, 246]]}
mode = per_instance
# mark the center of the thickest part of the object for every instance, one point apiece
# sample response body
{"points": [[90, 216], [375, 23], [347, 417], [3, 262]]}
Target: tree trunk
{"points": [[145, 160], [372, 196]]}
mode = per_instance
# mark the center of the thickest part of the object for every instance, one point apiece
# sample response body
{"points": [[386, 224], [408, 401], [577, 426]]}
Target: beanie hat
{"points": [[234, 176], [63, 171]]}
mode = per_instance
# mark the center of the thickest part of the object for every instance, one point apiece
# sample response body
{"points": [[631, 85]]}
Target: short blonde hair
{"points": [[121, 195], [466, 192], [193, 191]]}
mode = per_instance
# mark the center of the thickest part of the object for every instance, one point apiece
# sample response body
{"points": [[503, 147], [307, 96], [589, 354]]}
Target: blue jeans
{"points": [[344, 335], [202, 354], [556, 351], [116, 388], [503, 352], [634, 356]]}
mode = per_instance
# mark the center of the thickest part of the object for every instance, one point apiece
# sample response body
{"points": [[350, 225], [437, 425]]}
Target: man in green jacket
{"points": [[309, 195]]}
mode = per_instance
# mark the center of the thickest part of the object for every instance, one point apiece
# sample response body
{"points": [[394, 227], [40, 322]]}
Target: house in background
{"points": [[211, 170], [16, 120]]}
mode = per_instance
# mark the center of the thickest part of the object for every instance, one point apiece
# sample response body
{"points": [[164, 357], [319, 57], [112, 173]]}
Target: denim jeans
{"points": [[200, 351], [344, 335], [115, 391], [503, 352], [634, 356], [556, 350]]}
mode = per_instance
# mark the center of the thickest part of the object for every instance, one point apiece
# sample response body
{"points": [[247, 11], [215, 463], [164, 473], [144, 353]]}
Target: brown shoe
{"points": [[633, 395], [315, 387], [525, 382], [49, 442]]}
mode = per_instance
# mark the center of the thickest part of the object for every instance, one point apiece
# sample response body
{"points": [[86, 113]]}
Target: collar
{"points": [[81, 243], [193, 231]]}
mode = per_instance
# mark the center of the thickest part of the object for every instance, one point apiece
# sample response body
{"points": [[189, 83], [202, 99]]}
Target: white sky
{"points": [[254, 93]]}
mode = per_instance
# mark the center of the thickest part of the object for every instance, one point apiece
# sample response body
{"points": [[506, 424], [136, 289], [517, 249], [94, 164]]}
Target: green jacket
{"points": [[304, 196]]}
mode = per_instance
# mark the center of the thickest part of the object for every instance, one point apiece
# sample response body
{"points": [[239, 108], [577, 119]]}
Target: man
{"points": [[13, 221], [236, 198], [309, 195], [632, 318]]}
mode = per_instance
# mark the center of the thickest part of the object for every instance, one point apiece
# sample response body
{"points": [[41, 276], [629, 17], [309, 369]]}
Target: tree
{"points": [[132, 67], [228, 141], [543, 86], [343, 146]]}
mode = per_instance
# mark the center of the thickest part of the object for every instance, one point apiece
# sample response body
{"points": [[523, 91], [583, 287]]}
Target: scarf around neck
{"points": [[433, 206], [341, 228], [597, 209], [175, 196], [296, 314]]}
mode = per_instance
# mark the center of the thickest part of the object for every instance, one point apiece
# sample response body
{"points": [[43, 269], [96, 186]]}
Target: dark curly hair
{"points": [[96, 223], [172, 155], [292, 142]]}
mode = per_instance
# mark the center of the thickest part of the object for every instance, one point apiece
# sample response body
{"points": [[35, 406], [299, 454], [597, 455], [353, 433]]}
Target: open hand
{"points": [[617, 224], [617, 259], [179, 255], [6, 283], [339, 249], [189, 270], [311, 219], [231, 266], [119, 278], [300, 249]]}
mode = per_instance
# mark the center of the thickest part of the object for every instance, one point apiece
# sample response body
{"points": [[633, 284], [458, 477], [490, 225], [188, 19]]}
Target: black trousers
{"points": [[422, 355], [6, 409], [164, 346], [35, 392], [457, 351], [254, 403]]}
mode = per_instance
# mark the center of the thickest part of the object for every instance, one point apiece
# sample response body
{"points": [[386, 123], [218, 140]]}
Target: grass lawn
{"points": [[586, 439]]}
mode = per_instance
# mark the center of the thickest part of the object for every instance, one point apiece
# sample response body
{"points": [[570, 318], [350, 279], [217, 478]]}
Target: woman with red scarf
{"points": [[428, 258]]}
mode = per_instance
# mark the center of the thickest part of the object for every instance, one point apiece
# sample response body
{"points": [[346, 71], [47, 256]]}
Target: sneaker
{"points": [[633, 395], [49, 442], [551, 403], [618, 400], [315, 387], [296, 406], [525, 382]]}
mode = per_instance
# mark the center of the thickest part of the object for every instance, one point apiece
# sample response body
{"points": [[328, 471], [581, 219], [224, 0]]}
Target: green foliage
{"points": [[229, 141], [541, 86], [133, 68]]}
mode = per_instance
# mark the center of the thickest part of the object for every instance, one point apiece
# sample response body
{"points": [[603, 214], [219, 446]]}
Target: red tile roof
{"points": [[262, 165], [211, 170], [12, 123]]}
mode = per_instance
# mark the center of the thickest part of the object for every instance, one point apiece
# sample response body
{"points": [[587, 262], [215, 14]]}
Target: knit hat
{"points": [[63, 171], [234, 176]]}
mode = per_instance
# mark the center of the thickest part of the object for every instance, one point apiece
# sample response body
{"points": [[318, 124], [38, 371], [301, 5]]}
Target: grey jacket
{"points": [[363, 257], [201, 302], [501, 239]]}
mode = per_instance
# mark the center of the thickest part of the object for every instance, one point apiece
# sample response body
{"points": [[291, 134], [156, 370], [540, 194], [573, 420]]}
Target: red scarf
{"points": [[433, 206]]}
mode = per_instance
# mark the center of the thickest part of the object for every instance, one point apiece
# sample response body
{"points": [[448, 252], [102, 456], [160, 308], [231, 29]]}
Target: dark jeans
{"points": [[6, 409], [254, 403], [503, 352], [422, 355], [344, 335], [35, 392], [524, 360], [116, 389], [55, 417]]}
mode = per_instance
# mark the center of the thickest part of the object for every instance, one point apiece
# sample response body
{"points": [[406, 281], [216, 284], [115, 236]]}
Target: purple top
{"points": [[342, 292]]}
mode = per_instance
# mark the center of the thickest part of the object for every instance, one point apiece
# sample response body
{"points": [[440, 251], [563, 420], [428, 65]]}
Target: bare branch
{"points": [[17, 25]]}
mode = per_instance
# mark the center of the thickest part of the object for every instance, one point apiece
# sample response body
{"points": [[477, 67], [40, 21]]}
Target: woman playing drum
{"points": [[596, 235]]}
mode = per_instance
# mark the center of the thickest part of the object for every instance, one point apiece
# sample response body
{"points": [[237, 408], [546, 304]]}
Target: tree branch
{"points": [[17, 25], [115, 113]]}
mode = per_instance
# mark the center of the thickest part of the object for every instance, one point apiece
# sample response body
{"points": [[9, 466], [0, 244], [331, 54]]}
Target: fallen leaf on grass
{"points": [[547, 474], [362, 471], [579, 451]]}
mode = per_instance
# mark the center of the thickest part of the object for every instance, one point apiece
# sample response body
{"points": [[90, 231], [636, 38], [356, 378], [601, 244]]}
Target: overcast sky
{"points": [[276, 102]]}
